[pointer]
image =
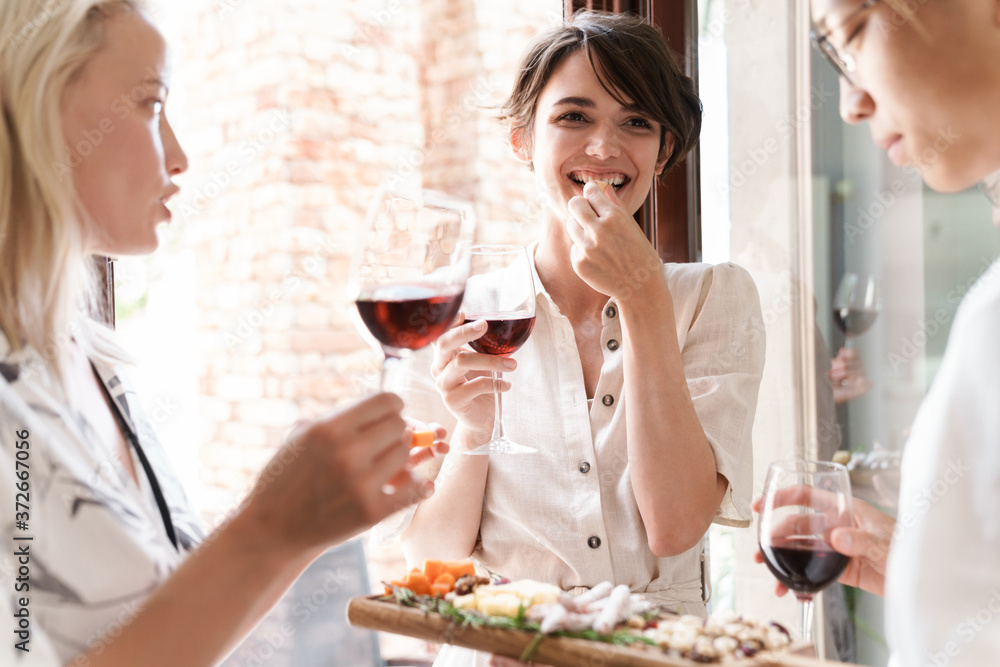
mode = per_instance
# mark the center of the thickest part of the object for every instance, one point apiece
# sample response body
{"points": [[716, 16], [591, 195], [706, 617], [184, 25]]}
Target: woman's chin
{"points": [[950, 176]]}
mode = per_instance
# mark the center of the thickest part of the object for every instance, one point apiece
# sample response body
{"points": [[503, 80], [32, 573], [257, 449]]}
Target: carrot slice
{"points": [[446, 578], [433, 569], [460, 568], [422, 439], [416, 577]]}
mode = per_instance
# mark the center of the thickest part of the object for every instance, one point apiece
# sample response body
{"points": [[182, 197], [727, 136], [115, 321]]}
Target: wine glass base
{"points": [[501, 446]]}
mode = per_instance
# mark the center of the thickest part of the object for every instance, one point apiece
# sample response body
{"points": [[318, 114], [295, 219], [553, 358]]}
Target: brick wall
{"points": [[291, 113]]}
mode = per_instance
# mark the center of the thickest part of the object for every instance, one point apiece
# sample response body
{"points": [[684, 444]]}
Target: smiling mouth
{"points": [[617, 181]]}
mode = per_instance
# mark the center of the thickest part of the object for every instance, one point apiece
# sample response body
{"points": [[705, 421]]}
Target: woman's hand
{"points": [[463, 378], [610, 252], [847, 374], [420, 455], [335, 477], [866, 543]]}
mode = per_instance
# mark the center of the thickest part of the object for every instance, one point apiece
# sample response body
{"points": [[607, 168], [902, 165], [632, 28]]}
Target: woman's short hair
{"points": [[631, 60], [46, 279]]}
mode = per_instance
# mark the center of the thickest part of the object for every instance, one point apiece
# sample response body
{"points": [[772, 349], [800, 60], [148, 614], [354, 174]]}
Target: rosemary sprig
{"points": [[471, 618]]}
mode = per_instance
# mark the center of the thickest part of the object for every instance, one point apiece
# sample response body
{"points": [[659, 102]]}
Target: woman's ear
{"points": [[665, 152], [520, 145]]}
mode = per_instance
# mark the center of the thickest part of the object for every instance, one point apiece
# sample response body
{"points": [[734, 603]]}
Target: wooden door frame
{"points": [[671, 216], [106, 284]]}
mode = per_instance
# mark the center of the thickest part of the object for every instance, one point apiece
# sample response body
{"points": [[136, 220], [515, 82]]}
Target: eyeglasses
{"points": [[842, 62]]}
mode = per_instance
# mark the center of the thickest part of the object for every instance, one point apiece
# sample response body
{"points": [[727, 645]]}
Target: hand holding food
{"points": [[610, 252], [329, 477]]}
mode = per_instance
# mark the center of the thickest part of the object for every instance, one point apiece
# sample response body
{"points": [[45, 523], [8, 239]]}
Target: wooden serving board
{"points": [[369, 612]]}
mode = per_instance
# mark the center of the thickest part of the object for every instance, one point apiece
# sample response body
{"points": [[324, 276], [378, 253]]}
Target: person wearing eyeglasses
{"points": [[917, 71]]}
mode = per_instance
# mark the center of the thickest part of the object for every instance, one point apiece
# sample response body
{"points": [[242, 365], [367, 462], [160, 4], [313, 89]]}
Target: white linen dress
{"points": [[567, 515]]}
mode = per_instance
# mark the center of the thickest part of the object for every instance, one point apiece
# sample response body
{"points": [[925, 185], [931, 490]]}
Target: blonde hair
{"points": [[47, 281]]}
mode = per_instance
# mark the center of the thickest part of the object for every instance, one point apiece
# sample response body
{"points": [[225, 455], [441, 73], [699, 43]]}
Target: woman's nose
{"points": [[603, 142], [856, 105], [173, 155]]}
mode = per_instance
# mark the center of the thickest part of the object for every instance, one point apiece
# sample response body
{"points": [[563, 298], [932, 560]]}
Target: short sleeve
{"points": [[723, 353]]}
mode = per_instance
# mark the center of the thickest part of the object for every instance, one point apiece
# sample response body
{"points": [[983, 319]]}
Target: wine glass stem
{"points": [[498, 430], [384, 373], [806, 607]]}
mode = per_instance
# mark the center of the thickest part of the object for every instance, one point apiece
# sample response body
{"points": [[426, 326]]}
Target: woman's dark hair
{"points": [[622, 46]]}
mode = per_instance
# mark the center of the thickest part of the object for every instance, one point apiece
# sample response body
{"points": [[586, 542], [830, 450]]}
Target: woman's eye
{"points": [[639, 122], [854, 31], [574, 116]]}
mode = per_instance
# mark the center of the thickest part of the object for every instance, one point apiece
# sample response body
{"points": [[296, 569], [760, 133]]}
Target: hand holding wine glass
{"points": [[501, 292], [410, 269], [803, 502]]}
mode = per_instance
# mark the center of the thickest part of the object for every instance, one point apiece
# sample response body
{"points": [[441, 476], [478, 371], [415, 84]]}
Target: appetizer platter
{"points": [[448, 603]]}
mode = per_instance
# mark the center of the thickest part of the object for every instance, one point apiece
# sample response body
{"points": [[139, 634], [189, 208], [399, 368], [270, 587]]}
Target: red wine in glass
{"points": [[505, 332], [803, 502], [856, 304], [854, 321], [409, 270], [501, 291], [409, 317], [803, 564]]}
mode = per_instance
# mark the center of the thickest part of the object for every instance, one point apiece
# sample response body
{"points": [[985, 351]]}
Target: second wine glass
{"points": [[501, 291], [856, 305], [410, 269], [803, 502]]}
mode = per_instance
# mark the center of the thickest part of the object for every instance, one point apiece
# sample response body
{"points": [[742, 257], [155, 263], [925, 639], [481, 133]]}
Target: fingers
{"points": [[577, 233], [805, 495], [465, 392], [375, 440], [457, 372], [360, 415], [418, 456], [859, 543], [779, 588], [451, 341], [796, 524]]}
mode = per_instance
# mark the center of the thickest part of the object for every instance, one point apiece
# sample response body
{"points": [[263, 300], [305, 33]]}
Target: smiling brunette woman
{"points": [[113, 573], [623, 488]]}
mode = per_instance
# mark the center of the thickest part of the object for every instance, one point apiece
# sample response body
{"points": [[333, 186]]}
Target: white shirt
{"points": [[543, 511], [943, 587], [98, 544]]}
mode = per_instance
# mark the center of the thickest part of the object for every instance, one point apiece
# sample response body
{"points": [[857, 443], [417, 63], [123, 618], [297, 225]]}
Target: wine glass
{"points": [[410, 269], [803, 502], [856, 304], [501, 290]]}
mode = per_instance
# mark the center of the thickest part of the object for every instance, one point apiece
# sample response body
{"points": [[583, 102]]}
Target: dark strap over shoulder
{"points": [[150, 475]]}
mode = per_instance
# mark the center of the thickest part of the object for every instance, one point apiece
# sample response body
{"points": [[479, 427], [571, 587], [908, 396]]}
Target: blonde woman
{"points": [[104, 561], [917, 71]]}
